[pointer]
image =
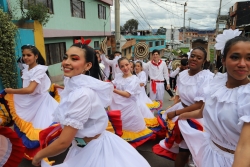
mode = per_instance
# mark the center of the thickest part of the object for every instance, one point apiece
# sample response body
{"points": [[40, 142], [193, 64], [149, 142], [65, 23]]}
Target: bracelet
{"points": [[175, 113]]}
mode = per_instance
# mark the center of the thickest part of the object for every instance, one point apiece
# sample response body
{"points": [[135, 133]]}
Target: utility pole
{"points": [[172, 37], [117, 25], [184, 29], [189, 19], [216, 33]]}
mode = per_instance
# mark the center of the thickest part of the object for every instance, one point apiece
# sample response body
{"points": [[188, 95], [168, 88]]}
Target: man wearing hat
{"points": [[113, 63], [158, 71]]}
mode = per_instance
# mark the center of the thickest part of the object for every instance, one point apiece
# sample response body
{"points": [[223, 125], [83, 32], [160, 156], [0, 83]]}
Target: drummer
{"points": [[158, 71]]}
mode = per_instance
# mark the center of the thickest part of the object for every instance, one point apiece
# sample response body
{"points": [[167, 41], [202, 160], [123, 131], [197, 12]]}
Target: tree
{"points": [[131, 25], [161, 31]]}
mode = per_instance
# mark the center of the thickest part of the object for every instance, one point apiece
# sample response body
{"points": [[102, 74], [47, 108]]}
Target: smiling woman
{"points": [[226, 111], [82, 115]]}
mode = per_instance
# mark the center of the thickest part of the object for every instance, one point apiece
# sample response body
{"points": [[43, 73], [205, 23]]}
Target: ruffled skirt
{"points": [[133, 125], [31, 114], [161, 148], [11, 148], [108, 150], [205, 153]]}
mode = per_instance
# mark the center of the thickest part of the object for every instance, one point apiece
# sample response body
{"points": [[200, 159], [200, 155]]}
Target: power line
{"points": [[133, 14], [177, 15], [139, 13]]}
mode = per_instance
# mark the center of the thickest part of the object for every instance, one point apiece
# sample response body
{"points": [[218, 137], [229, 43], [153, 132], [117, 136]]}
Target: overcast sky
{"points": [[159, 13]]}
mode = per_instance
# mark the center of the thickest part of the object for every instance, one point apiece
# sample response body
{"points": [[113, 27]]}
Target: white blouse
{"points": [[190, 88], [225, 111], [37, 74], [142, 77], [82, 105]]}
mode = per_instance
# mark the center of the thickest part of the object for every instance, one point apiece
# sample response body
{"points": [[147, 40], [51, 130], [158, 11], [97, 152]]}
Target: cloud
{"points": [[158, 13]]}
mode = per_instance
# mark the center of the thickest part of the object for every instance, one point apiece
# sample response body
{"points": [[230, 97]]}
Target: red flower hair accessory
{"points": [[83, 42]]}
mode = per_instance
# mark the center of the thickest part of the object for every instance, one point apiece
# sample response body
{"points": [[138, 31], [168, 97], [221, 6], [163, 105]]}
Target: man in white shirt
{"points": [[113, 63], [158, 71]]}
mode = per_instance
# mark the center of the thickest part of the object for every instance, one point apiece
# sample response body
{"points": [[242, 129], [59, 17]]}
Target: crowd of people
{"points": [[208, 121]]}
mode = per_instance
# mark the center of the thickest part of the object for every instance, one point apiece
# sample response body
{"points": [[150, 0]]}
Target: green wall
{"points": [[62, 19]]}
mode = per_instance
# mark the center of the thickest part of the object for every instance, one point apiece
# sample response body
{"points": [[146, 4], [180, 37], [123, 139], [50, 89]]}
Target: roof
{"points": [[146, 38], [129, 44]]}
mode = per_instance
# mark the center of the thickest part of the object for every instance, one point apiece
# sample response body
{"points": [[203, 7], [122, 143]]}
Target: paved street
{"points": [[145, 150]]}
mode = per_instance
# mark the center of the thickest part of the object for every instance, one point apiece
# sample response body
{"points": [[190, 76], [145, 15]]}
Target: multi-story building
{"points": [[154, 42], [192, 34], [239, 17], [70, 20]]}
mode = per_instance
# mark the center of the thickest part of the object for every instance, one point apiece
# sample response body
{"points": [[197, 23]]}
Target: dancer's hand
{"points": [[168, 87], [8, 90], [36, 160], [171, 115]]}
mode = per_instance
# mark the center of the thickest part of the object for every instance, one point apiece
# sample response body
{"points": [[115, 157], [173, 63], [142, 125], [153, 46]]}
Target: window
{"points": [[157, 43], [55, 52], [101, 12], [48, 3], [96, 44], [150, 44], [162, 42], [77, 8]]}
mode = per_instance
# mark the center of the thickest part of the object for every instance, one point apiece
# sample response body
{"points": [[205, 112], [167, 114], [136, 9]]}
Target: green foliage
{"points": [[35, 11], [211, 55], [184, 50], [131, 25], [8, 70], [161, 31]]}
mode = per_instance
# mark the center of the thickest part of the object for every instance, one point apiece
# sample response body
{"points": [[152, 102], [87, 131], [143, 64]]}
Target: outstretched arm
{"points": [[241, 156], [106, 60], [196, 114], [58, 146], [195, 106], [122, 93], [28, 90]]}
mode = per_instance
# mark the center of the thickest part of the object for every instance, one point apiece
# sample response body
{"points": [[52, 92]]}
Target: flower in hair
{"points": [[84, 42], [189, 53], [221, 39]]}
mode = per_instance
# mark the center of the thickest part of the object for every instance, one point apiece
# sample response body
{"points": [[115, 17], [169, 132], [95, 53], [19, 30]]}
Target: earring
{"points": [[220, 68]]}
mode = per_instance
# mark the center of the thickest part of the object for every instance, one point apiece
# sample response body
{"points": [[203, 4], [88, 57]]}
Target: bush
{"points": [[8, 70], [35, 11]]}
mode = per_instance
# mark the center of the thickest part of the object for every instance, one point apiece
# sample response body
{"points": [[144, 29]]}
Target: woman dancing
{"points": [[83, 117]]}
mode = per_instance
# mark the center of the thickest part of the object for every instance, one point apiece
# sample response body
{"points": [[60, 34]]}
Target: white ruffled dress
{"points": [[143, 96], [224, 114], [143, 99], [82, 107], [133, 124], [190, 90], [32, 112]]}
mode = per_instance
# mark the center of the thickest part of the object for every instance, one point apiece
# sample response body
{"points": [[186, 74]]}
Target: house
{"points": [[154, 42], [192, 34], [239, 17], [70, 20]]}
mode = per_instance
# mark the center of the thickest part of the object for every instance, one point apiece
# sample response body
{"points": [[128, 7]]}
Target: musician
{"points": [[157, 70], [113, 63]]}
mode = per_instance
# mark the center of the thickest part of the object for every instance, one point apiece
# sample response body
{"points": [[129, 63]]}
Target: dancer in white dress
{"points": [[226, 115], [150, 120], [143, 82], [83, 117], [125, 98], [189, 84], [32, 106]]}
